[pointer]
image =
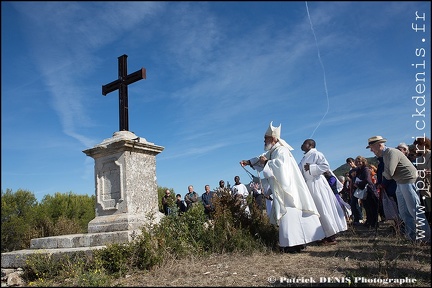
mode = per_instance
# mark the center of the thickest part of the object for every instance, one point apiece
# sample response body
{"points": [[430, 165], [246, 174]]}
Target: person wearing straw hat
{"points": [[293, 208], [398, 167]]}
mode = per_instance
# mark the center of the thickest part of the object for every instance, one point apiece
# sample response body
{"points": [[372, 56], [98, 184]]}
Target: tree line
{"points": [[23, 218]]}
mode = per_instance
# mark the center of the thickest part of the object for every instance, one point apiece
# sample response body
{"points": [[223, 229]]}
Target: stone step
{"points": [[82, 240], [17, 259], [59, 245]]}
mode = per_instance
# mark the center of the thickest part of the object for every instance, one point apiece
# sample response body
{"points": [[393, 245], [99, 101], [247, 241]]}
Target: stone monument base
{"points": [[121, 222], [126, 200], [66, 244]]}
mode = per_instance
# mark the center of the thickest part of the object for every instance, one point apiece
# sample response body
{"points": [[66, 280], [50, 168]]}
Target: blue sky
{"points": [[217, 74]]}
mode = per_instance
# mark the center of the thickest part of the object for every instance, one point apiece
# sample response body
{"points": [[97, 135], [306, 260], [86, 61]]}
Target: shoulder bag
{"points": [[361, 193]]}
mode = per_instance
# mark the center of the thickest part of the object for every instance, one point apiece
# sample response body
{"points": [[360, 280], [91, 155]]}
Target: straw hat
{"points": [[375, 139]]}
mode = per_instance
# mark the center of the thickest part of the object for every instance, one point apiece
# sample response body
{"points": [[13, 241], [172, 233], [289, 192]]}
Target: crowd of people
{"points": [[397, 190], [239, 191], [308, 203]]}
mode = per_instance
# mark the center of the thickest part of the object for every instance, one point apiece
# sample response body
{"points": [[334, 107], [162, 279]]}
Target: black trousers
{"points": [[356, 209], [371, 207]]}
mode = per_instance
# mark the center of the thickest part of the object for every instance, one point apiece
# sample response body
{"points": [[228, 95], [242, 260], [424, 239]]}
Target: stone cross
{"points": [[121, 84]]}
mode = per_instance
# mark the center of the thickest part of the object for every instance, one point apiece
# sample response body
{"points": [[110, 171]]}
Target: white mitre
{"points": [[275, 132]]}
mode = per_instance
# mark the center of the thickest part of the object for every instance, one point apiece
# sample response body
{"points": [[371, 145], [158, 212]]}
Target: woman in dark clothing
{"points": [[389, 186], [370, 204]]}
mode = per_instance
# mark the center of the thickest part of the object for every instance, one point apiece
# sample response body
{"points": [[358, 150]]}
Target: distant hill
{"points": [[341, 170]]}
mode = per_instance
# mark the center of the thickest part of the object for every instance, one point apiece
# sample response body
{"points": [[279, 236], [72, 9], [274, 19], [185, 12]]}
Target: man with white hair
{"points": [[293, 208], [403, 147], [398, 167]]}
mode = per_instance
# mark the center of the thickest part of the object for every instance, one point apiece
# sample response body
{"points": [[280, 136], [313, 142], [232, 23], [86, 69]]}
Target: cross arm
{"points": [[129, 79], [133, 77], [110, 87]]}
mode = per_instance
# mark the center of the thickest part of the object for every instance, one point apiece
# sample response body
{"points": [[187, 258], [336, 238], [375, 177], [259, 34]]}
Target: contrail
{"points": [[322, 66]]}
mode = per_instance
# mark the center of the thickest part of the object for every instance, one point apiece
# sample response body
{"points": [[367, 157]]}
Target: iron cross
{"points": [[122, 85]]}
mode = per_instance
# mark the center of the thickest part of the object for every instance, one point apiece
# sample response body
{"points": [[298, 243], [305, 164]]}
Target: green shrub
{"points": [[93, 279], [73, 269], [115, 258], [182, 235], [146, 252], [41, 266], [174, 237]]}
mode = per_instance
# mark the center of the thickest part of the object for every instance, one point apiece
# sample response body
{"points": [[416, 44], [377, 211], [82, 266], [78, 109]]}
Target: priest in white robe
{"points": [[312, 166], [293, 208]]}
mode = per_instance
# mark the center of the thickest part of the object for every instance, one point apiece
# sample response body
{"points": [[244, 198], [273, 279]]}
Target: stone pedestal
{"points": [[125, 183], [127, 200]]}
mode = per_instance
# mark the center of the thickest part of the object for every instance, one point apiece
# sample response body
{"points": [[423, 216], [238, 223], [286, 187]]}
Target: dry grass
{"points": [[360, 252]]}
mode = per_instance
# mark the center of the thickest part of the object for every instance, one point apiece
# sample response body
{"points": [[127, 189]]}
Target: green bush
{"points": [[115, 259], [41, 266], [74, 269], [182, 235], [174, 237]]}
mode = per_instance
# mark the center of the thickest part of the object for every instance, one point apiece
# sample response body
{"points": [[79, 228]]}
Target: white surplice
{"points": [[332, 216], [293, 208], [241, 191]]}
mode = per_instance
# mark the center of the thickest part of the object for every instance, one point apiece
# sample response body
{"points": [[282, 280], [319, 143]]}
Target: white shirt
{"points": [[240, 189]]}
